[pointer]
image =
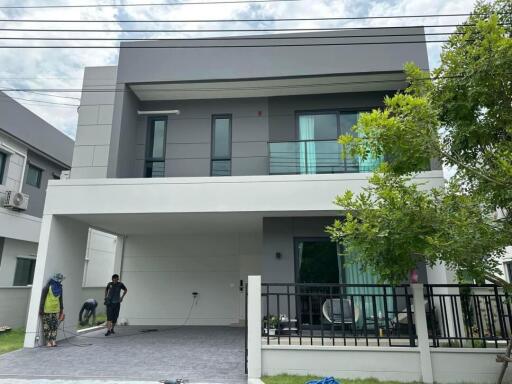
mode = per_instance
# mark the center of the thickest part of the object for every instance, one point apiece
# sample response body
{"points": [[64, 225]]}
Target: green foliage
{"points": [[461, 114], [397, 222]]}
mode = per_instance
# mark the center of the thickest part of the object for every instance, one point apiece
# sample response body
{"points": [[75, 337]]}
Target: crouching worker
{"points": [[113, 301], [51, 309], [88, 309]]}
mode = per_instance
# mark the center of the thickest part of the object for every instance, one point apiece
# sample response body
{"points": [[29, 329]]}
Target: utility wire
{"points": [[37, 102], [226, 38], [142, 5], [46, 94], [236, 20], [220, 46], [233, 30]]}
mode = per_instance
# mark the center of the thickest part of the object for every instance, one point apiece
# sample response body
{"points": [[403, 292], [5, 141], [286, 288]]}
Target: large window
{"points": [[34, 176], [221, 145], [3, 162], [24, 274], [155, 147]]}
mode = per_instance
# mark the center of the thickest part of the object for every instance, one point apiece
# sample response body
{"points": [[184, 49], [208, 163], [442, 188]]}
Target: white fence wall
{"points": [[404, 364], [14, 306]]}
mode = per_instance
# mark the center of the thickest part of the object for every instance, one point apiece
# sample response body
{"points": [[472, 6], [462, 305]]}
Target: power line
{"points": [[219, 46], [50, 95], [141, 5], [236, 20], [39, 102], [232, 30], [225, 38]]}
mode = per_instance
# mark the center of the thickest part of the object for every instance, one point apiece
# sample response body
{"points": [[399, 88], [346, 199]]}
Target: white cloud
{"points": [[63, 68]]}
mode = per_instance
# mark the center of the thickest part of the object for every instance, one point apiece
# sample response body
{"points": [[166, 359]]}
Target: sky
{"points": [[63, 67]]}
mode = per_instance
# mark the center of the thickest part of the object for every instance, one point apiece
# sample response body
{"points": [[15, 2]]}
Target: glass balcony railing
{"points": [[313, 157]]}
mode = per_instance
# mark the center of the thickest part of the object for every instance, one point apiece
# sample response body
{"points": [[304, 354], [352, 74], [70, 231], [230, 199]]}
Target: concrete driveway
{"points": [[198, 354]]}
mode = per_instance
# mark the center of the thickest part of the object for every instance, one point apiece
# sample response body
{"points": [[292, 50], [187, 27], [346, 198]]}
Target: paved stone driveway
{"points": [[199, 354]]}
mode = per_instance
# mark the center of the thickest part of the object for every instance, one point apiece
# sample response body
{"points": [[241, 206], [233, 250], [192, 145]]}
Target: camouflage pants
{"points": [[50, 325]]}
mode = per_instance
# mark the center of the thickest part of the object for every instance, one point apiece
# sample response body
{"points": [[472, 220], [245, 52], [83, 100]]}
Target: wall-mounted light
{"points": [[165, 112], [278, 255]]}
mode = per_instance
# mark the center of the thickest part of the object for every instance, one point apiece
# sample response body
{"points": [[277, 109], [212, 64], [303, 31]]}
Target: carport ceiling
{"points": [[183, 223], [269, 87]]}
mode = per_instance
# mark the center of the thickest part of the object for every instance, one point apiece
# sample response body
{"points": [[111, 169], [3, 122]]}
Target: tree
{"points": [[462, 114], [396, 223]]}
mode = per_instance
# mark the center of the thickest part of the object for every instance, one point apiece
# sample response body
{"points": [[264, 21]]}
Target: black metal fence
{"points": [[470, 316], [338, 314]]}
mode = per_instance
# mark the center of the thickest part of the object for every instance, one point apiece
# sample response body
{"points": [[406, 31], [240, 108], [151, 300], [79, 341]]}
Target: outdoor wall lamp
{"points": [[164, 112]]}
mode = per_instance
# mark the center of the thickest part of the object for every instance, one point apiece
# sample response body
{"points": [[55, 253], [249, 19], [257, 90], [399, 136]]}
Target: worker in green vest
{"points": [[51, 309]]}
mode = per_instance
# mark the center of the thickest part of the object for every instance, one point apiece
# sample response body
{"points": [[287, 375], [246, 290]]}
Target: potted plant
{"points": [[270, 324]]}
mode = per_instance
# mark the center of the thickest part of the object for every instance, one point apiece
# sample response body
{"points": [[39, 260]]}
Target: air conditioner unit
{"points": [[16, 200]]}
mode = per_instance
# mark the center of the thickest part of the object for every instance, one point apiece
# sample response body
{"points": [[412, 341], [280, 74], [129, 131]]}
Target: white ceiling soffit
{"points": [[272, 87]]}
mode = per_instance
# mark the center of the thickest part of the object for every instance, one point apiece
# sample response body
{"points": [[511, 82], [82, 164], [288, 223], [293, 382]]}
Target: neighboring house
{"points": [[213, 163], [32, 152]]}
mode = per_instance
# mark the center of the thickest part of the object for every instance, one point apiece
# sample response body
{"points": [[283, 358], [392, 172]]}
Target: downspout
{"points": [[24, 155]]}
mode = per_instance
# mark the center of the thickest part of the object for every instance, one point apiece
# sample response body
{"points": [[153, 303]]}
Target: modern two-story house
{"points": [[216, 159]]}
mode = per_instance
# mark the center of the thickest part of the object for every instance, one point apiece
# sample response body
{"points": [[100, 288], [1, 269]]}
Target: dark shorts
{"points": [[113, 312]]}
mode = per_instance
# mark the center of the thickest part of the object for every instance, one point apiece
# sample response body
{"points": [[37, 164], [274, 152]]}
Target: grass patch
{"points": [[100, 319], [11, 340], [291, 379]]}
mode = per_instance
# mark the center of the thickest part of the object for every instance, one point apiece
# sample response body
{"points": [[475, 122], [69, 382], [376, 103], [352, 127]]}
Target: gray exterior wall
{"points": [[255, 122], [51, 171], [279, 234], [186, 64], [124, 135], [188, 145]]}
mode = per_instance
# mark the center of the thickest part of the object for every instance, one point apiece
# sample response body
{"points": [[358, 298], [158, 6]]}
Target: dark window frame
{"points": [[337, 111], [31, 271], [3, 165], [40, 175], [214, 158], [148, 154]]}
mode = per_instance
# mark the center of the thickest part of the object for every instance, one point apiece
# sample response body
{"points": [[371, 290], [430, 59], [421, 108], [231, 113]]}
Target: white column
{"points": [[62, 247], [118, 257], [254, 327], [420, 321]]}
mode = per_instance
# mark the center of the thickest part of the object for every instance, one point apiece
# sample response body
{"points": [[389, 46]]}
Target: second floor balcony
{"points": [[315, 157]]}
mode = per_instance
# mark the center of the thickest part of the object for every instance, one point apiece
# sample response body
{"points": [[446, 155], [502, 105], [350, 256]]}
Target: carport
{"points": [[199, 354]]}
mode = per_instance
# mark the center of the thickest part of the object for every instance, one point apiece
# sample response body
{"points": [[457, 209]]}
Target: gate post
{"points": [[254, 327], [420, 320]]}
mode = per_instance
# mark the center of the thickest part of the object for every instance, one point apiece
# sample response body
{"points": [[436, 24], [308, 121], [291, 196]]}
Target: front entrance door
{"points": [[316, 262]]}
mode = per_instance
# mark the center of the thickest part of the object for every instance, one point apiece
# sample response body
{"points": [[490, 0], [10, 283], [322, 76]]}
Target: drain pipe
{"points": [[24, 155]]}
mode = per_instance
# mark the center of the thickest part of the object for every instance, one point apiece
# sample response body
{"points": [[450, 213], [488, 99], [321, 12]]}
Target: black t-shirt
{"points": [[114, 292]]}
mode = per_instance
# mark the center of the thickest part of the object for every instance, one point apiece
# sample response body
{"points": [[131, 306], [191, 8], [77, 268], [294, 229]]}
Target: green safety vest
{"points": [[51, 303]]}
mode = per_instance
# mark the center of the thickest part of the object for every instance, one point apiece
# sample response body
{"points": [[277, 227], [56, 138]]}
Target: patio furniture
{"points": [[332, 312]]}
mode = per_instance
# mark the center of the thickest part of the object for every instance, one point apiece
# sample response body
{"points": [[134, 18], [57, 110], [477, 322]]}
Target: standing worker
{"points": [[113, 301], [51, 308]]}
